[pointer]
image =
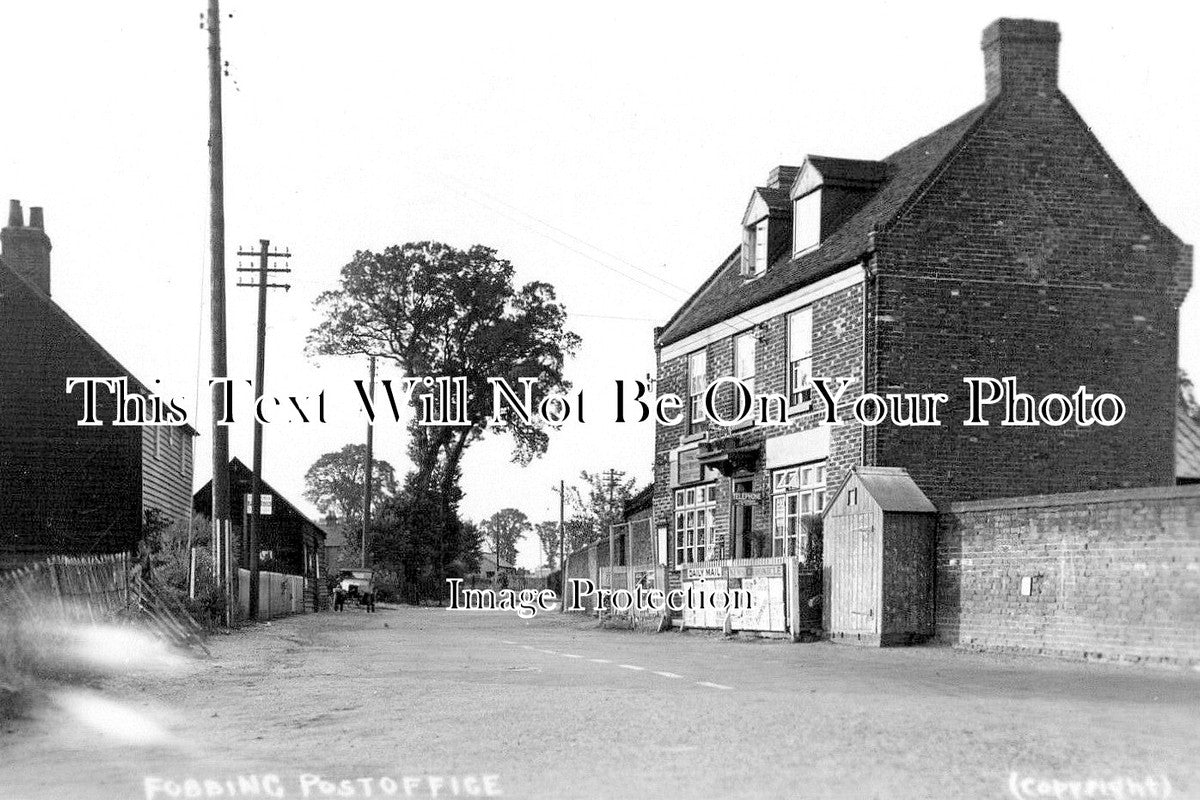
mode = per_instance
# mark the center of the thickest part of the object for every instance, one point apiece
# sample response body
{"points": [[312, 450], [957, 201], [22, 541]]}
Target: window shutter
{"points": [[747, 250]]}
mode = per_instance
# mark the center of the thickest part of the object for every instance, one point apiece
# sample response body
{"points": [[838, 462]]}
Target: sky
{"points": [[609, 149]]}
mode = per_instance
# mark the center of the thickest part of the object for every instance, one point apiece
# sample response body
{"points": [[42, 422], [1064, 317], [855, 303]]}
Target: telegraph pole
{"points": [[611, 477], [562, 546], [369, 468], [222, 546], [264, 270]]}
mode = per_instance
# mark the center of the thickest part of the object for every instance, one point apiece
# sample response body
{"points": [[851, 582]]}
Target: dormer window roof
{"points": [[826, 192]]}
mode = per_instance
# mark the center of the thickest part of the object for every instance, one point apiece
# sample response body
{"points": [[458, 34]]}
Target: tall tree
{"points": [[502, 530], [549, 537], [598, 502], [334, 482], [435, 310]]}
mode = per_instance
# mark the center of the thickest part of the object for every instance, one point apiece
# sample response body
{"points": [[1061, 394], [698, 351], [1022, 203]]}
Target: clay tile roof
{"points": [[1187, 444], [908, 171]]}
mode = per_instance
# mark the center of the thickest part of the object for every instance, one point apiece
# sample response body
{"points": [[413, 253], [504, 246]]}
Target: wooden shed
{"points": [[879, 537]]}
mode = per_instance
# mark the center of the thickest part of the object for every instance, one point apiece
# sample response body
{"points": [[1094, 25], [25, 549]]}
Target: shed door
{"points": [[854, 593]]}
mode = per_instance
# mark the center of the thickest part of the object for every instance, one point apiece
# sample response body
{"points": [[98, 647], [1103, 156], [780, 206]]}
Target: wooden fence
{"points": [[102, 588]]}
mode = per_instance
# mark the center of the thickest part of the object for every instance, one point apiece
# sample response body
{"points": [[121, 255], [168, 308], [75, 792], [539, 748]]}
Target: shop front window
{"points": [[797, 496], [694, 509]]}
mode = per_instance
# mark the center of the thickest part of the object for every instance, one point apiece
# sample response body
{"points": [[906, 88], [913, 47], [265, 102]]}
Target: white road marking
{"points": [[632, 667]]}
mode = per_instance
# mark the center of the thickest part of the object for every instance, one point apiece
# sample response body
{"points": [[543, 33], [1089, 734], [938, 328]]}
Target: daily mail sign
{"points": [[763, 585]]}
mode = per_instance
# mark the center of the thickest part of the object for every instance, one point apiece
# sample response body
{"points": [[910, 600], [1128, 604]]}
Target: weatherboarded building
{"points": [[69, 489], [289, 542]]}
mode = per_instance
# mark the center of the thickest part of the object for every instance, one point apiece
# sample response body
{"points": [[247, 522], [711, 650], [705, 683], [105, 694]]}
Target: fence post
{"points": [[791, 573]]}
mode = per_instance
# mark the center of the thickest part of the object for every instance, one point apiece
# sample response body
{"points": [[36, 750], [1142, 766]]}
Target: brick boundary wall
{"points": [[1110, 575]]}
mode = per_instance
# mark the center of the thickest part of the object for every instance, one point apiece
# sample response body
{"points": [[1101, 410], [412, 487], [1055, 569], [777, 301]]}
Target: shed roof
{"points": [[891, 487]]}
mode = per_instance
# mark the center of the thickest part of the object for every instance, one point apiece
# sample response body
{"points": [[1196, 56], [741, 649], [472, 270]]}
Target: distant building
{"points": [[288, 542], [337, 549], [70, 489], [488, 571]]}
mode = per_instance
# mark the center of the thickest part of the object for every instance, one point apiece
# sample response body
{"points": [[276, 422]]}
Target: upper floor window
{"points": [[744, 347], [697, 383], [800, 356], [806, 222]]}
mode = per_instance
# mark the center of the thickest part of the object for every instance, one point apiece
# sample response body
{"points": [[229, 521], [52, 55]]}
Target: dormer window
{"points": [[806, 222], [766, 227], [826, 193], [756, 240]]}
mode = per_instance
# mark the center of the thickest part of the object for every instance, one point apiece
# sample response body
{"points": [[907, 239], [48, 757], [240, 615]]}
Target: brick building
{"points": [[1005, 243], [70, 489]]}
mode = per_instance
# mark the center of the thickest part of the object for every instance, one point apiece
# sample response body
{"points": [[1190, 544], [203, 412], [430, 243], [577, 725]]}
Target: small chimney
{"points": [[1020, 56], [27, 249], [781, 177]]}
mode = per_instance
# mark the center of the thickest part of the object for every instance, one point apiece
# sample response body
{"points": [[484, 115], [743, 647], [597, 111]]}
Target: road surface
{"points": [[429, 702]]}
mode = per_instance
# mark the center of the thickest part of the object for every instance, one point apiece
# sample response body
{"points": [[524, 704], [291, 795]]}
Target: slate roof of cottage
{"points": [[909, 170], [45, 300], [891, 487], [1187, 444]]}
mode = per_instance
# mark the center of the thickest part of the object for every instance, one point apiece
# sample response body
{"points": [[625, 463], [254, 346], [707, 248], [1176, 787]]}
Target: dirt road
{"points": [[427, 702]]}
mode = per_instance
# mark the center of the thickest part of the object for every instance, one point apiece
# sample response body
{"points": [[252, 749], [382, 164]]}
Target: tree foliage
{"points": [[549, 536], [596, 503], [419, 536], [334, 482], [502, 530], [437, 311]]}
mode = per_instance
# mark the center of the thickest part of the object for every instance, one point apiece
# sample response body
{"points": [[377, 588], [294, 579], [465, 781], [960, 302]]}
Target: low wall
{"points": [[1111, 575], [278, 595]]}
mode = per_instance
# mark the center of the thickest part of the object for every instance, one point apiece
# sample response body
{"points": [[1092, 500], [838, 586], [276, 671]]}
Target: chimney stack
{"points": [[781, 177], [27, 249], [1020, 56]]}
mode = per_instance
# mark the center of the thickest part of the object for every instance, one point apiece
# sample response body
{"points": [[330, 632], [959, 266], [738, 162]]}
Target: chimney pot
{"points": [[1020, 56], [27, 249]]}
